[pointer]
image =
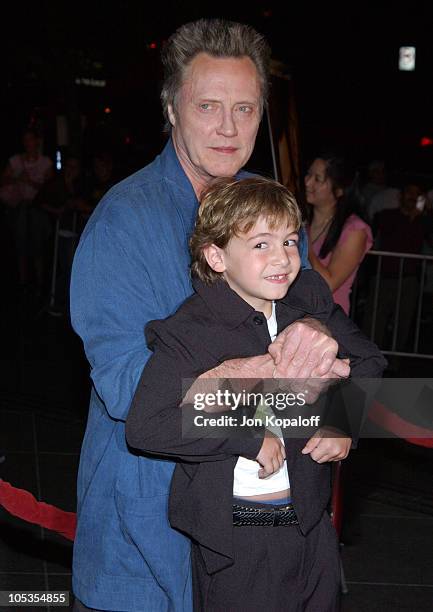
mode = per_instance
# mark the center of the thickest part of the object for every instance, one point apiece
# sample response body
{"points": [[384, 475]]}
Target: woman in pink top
{"points": [[338, 238]]}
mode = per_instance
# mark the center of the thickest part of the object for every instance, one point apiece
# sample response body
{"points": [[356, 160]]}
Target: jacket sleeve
{"points": [[111, 301], [156, 418], [312, 297], [366, 360], [348, 404]]}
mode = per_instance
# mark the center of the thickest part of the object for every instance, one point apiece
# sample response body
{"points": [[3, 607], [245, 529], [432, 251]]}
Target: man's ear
{"points": [[214, 257], [171, 115]]}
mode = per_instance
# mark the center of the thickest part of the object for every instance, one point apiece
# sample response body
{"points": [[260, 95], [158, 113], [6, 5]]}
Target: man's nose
{"points": [[227, 126]]}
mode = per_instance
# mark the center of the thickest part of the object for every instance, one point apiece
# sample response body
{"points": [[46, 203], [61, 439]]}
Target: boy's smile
{"points": [[261, 264]]}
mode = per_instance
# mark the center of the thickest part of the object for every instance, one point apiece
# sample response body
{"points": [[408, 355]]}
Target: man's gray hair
{"points": [[217, 38]]}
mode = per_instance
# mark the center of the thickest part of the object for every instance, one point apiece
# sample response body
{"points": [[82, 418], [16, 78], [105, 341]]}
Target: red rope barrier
{"points": [[24, 505], [402, 429]]}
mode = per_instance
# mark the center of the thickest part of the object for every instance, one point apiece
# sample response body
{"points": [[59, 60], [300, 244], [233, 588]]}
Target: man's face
{"points": [[216, 117], [261, 264]]}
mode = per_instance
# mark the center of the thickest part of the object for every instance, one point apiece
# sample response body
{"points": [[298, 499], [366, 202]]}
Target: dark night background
{"points": [[342, 56]]}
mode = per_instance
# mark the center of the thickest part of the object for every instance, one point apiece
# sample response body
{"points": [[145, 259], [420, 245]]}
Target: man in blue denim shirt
{"points": [[131, 266]]}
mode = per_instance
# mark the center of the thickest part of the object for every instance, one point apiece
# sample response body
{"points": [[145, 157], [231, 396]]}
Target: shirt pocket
{"points": [[147, 545]]}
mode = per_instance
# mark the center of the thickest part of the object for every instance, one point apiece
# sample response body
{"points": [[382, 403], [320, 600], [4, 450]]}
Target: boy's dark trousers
{"points": [[276, 569]]}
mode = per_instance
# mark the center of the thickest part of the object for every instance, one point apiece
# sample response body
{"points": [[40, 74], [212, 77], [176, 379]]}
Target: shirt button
{"points": [[258, 320]]}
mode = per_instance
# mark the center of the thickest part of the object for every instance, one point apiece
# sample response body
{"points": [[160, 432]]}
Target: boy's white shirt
{"points": [[246, 480]]}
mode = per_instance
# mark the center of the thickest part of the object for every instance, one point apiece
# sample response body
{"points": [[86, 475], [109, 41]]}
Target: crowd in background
{"points": [[38, 200], [347, 210], [348, 215], [401, 217]]}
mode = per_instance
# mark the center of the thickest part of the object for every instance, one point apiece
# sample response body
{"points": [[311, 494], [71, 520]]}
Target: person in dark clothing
{"points": [[58, 200], [255, 508], [102, 178], [399, 230]]}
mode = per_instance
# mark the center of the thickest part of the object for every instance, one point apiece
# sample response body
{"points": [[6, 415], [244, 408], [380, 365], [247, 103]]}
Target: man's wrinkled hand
{"points": [[304, 350], [244, 374]]}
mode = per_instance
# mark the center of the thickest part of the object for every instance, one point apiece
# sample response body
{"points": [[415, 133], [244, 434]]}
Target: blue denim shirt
{"points": [[131, 266]]}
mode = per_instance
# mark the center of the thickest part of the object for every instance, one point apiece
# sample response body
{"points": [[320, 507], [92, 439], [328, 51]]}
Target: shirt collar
{"points": [[303, 298], [171, 169], [224, 303], [308, 294]]}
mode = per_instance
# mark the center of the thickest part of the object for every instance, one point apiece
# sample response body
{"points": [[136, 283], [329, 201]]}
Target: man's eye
{"points": [[245, 108], [290, 243], [206, 106]]}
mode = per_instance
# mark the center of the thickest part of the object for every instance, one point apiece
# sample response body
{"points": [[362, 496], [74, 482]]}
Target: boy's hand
{"points": [[271, 456], [321, 447]]}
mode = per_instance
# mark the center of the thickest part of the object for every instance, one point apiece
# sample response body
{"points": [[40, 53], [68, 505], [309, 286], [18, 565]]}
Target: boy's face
{"points": [[259, 265]]}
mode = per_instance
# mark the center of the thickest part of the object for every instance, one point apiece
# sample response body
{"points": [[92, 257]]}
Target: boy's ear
{"points": [[214, 257]]}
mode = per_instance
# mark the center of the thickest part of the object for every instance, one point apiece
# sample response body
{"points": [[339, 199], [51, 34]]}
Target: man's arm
{"points": [[154, 423], [365, 361], [326, 341], [111, 301], [159, 412], [357, 354], [304, 349]]}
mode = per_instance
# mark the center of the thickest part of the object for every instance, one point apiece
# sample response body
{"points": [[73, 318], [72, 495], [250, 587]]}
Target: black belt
{"points": [[244, 516]]}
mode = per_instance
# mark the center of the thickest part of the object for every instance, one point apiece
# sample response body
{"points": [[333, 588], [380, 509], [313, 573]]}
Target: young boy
{"points": [[258, 543]]}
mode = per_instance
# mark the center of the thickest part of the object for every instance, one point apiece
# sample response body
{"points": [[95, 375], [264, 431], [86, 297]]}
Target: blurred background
{"points": [[88, 74]]}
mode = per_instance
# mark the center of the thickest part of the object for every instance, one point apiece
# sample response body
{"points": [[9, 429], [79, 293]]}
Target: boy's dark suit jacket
{"points": [[214, 325]]}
